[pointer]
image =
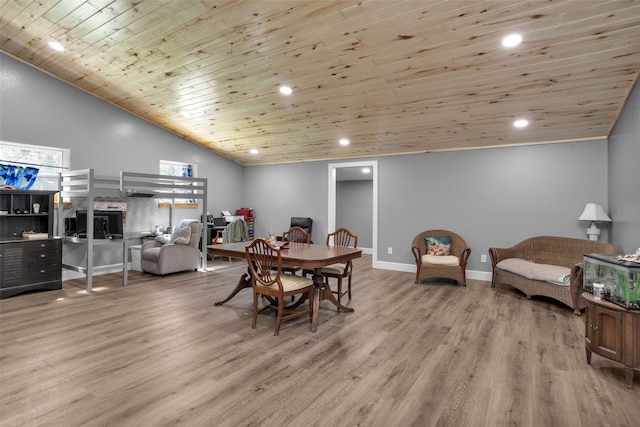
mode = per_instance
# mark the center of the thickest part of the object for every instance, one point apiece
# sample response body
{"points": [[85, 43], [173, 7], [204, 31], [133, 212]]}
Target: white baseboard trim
{"points": [[410, 268], [383, 265]]}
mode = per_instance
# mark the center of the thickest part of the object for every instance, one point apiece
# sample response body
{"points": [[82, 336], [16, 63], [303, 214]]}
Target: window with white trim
{"points": [[49, 160], [185, 170]]}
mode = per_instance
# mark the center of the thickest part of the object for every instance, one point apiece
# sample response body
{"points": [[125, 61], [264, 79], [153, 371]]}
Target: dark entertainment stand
{"points": [[28, 264]]}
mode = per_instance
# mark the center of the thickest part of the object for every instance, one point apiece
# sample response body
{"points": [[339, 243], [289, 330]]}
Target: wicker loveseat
{"points": [[547, 253]]}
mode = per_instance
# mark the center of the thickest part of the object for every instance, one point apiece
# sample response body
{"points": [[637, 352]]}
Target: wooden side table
{"points": [[613, 332]]}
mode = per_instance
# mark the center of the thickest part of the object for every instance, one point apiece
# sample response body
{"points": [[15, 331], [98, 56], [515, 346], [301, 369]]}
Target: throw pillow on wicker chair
{"points": [[438, 246]]}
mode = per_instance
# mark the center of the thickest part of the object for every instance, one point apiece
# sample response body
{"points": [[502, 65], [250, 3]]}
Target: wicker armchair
{"points": [[459, 249], [562, 251]]}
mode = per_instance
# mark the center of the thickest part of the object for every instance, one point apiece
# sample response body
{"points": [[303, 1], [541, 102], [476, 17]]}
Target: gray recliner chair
{"points": [[179, 253]]}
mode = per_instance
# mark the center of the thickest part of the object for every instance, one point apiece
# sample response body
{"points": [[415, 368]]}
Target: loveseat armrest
{"points": [[575, 283], [497, 255]]}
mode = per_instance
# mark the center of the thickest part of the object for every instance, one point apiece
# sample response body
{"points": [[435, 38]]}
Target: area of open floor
{"points": [[158, 352]]}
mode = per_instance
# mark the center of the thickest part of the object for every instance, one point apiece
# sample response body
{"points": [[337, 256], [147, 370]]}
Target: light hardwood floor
{"points": [[157, 352]]}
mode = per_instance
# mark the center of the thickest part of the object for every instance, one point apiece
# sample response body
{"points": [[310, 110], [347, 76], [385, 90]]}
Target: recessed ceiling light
{"points": [[57, 46], [521, 123], [286, 90], [512, 40], [366, 170], [185, 114], [344, 141], [254, 151]]}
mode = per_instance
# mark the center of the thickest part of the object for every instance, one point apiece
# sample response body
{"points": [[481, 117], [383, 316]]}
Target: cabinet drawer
{"points": [[44, 273], [42, 246], [42, 257]]}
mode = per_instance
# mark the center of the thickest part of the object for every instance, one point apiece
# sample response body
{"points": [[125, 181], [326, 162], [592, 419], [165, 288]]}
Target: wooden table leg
{"points": [[244, 282], [327, 294], [323, 292]]}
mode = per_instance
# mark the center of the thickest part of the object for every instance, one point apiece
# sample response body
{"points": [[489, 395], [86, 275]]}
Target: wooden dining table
{"points": [[301, 255]]}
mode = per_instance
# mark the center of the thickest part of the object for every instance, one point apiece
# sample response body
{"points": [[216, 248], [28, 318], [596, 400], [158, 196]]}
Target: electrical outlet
{"points": [[483, 258], [390, 251]]}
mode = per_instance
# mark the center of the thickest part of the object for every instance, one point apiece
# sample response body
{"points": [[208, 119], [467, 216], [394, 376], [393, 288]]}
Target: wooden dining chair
{"points": [[294, 236], [340, 237], [266, 281]]}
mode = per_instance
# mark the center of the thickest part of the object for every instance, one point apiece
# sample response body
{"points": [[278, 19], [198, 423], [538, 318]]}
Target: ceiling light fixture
{"points": [[286, 90], [344, 141], [57, 46], [254, 151], [366, 170], [185, 114], [521, 123], [512, 40]]}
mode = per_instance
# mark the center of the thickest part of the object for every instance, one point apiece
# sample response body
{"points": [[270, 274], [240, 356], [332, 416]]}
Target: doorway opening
{"points": [[332, 202]]}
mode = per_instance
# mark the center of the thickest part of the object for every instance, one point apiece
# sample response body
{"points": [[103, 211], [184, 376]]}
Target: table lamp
{"points": [[594, 212]]}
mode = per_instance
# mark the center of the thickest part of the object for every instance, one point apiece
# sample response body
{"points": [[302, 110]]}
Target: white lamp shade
{"points": [[594, 212]]}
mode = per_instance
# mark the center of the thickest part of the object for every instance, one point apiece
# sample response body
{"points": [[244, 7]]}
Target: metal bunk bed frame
{"points": [[84, 184]]}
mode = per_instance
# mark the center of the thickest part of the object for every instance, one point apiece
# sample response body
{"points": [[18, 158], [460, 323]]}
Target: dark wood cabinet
{"points": [[613, 332], [28, 264]]}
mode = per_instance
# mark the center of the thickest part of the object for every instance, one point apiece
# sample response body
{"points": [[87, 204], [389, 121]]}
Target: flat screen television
{"points": [[106, 224]]}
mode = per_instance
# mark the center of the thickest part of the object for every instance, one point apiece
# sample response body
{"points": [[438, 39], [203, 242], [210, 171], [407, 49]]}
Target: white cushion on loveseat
{"points": [[445, 260], [545, 272]]}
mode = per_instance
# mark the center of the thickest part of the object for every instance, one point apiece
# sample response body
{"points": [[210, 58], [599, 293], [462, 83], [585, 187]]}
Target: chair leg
{"points": [[349, 287], [255, 310], [340, 290], [279, 318], [310, 296]]}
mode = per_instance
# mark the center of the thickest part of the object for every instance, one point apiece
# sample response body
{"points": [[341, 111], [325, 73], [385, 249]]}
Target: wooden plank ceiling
{"points": [[394, 77]]}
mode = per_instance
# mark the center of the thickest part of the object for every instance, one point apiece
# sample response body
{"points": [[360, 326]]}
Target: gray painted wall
{"points": [[278, 192], [41, 110], [624, 176], [492, 197], [354, 202]]}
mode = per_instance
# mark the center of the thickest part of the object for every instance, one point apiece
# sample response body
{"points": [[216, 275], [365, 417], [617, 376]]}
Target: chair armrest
{"points": [[464, 257], [149, 245], [171, 248], [417, 255]]}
